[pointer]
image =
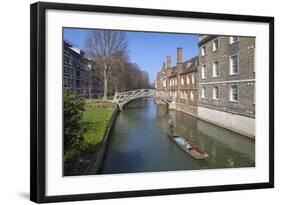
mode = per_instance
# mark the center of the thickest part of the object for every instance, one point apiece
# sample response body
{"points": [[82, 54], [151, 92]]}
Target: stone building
{"points": [[226, 80], [80, 73], [218, 85], [188, 86], [96, 83], [180, 81]]}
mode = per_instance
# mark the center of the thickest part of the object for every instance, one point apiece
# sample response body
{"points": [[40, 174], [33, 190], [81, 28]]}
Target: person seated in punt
{"points": [[188, 146]]}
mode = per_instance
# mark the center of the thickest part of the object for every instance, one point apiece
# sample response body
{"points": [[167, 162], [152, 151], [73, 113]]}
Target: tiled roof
{"points": [[190, 65], [174, 74]]}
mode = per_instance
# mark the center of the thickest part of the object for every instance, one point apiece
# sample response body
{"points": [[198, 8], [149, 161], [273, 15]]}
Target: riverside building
{"points": [[181, 82], [81, 75], [227, 82], [218, 85]]}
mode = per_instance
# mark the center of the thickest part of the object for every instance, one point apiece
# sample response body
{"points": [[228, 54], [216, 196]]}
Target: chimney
{"points": [[179, 55], [179, 58], [169, 61]]}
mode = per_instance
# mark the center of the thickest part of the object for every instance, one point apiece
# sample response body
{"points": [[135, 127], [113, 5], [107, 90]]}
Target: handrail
{"points": [[123, 98]]}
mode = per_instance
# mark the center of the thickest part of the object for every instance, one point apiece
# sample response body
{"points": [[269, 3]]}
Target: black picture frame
{"points": [[38, 100]]}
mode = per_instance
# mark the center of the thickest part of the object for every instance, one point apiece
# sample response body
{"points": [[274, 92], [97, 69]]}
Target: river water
{"points": [[139, 142]]}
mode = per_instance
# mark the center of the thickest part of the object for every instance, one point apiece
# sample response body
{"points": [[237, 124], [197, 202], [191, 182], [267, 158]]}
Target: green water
{"points": [[139, 142]]}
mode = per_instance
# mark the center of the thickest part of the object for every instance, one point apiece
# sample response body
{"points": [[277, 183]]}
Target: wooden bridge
{"points": [[123, 98]]}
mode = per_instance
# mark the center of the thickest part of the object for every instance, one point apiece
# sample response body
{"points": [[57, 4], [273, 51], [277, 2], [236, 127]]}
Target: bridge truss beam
{"points": [[123, 98]]}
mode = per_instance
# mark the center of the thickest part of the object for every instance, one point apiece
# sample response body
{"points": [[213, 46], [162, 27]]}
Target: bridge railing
{"points": [[123, 98]]}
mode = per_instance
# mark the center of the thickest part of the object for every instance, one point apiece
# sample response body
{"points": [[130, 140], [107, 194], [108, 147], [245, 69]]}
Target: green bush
{"points": [[85, 123], [74, 127]]}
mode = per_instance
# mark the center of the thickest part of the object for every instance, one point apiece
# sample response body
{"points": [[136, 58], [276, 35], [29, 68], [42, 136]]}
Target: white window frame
{"points": [[204, 48], [164, 83], [215, 88], [213, 44], [231, 40], [205, 73], [230, 93], [187, 80], [254, 95], [203, 92], [230, 65], [213, 73], [191, 96], [192, 79], [182, 80], [254, 59]]}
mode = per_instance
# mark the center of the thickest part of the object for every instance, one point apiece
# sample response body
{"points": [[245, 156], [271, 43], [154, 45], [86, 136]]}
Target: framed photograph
{"points": [[129, 102]]}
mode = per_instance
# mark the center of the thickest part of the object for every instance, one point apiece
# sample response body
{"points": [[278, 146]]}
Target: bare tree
{"points": [[105, 48], [117, 75]]}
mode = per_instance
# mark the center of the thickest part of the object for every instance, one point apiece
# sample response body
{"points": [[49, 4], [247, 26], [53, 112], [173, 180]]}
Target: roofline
{"points": [[190, 71], [173, 75], [191, 59], [206, 39]]}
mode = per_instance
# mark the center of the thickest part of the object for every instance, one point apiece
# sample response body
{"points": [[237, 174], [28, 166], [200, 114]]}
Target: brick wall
{"points": [[244, 79]]}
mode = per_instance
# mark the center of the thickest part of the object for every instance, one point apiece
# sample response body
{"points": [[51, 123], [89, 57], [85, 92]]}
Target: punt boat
{"points": [[191, 149]]}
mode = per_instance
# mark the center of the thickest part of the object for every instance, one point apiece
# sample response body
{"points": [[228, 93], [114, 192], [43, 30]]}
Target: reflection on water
{"points": [[139, 142]]}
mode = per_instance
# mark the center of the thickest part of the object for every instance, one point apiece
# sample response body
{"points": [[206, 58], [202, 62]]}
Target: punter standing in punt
{"points": [[171, 127]]}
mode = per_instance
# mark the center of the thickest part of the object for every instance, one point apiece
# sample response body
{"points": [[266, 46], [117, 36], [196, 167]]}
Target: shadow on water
{"points": [[128, 163], [139, 142]]}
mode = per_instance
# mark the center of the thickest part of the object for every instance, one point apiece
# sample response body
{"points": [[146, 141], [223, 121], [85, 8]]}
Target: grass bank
{"points": [[97, 115]]}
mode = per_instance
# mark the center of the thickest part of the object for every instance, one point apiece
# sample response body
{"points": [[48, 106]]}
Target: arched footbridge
{"points": [[123, 98]]}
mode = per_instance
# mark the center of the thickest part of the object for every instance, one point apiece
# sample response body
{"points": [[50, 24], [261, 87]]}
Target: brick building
{"points": [[227, 82], [218, 85], [180, 81], [80, 73]]}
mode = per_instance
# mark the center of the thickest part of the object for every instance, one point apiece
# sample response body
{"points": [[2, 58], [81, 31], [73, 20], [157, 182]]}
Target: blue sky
{"points": [[149, 50]]}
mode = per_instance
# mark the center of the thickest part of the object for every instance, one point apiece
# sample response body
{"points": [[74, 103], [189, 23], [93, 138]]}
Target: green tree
{"points": [[74, 127]]}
